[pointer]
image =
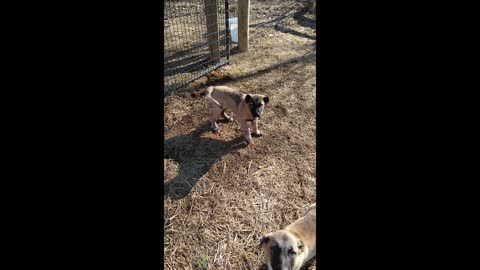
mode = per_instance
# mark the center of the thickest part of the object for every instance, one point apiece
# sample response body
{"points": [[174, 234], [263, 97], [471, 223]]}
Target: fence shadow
{"points": [[286, 14], [305, 21], [307, 58], [283, 29], [226, 78], [298, 15], [195, 156], [191, 63], [187, 62]]}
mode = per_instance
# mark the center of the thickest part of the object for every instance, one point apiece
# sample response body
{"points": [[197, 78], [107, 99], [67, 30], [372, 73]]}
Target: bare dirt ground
{"points": [[221, 195]]}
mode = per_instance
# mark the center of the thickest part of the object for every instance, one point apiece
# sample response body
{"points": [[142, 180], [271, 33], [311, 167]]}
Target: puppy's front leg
{"points": [[246, 130], [255, 128]]}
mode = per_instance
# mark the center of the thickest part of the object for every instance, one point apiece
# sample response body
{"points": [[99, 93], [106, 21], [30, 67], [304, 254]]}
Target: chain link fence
{"points": [[196, 39]]}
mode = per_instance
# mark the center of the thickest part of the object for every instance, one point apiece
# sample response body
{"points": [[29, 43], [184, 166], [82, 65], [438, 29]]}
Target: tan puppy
{"points": [[291, 248], [248, 108]]}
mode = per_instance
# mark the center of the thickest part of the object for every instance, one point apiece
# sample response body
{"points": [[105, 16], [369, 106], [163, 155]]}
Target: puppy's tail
{"points": [[208, 95], [199, 93]]}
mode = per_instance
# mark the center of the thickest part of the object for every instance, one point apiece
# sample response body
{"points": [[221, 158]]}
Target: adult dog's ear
{"points": [[264, 240], [266, 100], [248, 99], [300, 245]]}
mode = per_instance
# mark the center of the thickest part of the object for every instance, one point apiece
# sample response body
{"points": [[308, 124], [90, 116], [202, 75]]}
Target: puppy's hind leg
{"points": [[216, 111]]}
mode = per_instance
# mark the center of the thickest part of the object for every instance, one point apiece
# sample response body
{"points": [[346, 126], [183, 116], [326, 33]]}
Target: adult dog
{"points": [[292, 247]]}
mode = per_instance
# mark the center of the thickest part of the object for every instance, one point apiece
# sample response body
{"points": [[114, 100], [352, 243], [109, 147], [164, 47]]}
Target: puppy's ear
{"points": [[248, 99], [300, 245], [264, 240], [266, 100]]}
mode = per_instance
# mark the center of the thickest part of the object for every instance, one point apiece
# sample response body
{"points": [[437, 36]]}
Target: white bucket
{"points": [[233, 25]]}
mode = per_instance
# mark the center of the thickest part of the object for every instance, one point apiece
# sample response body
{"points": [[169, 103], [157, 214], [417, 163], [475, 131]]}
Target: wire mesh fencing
{"points": [[196, 40]]}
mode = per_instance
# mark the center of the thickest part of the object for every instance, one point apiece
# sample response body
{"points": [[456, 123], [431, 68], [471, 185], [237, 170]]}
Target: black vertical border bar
{"points": [[227, 30]]}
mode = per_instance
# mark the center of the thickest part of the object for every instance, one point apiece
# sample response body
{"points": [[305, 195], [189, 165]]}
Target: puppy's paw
{"points": [[257, 134], [226, 120], [215, 128], [249, 141]]}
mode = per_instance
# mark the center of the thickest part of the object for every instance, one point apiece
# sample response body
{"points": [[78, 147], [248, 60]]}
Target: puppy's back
{"points": [[226, 96]]}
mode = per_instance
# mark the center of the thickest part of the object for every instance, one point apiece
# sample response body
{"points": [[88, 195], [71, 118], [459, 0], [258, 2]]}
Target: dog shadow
{"points": [[195, 156]]}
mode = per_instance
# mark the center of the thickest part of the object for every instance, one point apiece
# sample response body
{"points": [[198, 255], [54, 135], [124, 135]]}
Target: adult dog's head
{"points": [[282, 250], [256, 104]]}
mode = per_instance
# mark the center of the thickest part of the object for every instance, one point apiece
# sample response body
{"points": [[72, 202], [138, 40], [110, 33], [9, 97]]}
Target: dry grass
{"points": [[221, 195]]}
